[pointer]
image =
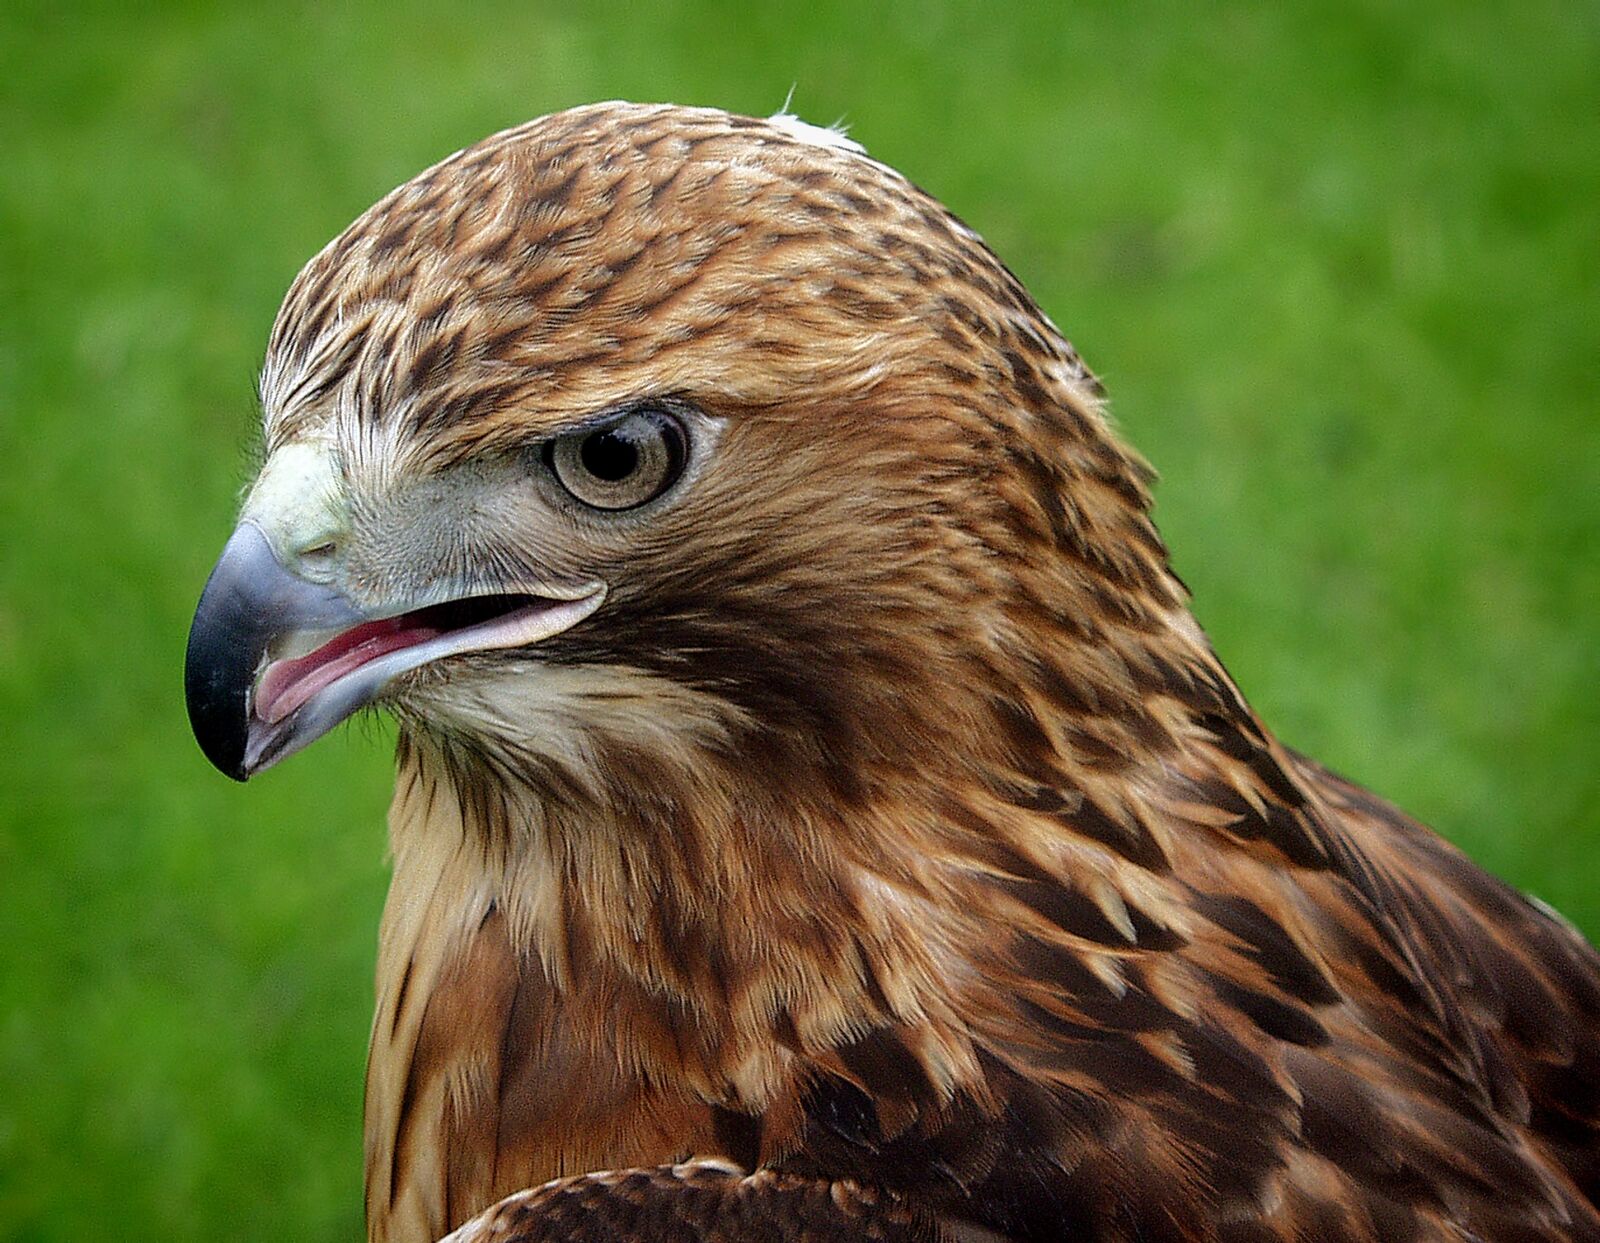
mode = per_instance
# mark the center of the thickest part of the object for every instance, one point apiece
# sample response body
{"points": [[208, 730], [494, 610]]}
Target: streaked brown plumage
{"points": [[890, 828]]}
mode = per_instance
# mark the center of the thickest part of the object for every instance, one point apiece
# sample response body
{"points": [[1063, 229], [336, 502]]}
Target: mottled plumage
{"points": [[869, 814]]}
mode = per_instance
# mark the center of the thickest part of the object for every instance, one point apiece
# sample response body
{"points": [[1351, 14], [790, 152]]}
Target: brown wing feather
{"points": [[700, 1202]]}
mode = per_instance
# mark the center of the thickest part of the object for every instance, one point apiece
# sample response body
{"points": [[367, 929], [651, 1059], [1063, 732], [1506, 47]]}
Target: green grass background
{"points": [[1338, 263]]}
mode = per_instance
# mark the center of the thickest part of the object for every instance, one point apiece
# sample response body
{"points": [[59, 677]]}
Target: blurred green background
{"points": [[1339, 265]]}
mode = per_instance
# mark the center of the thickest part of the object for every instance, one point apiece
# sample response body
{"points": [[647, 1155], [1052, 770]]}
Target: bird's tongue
{"points": [[289, 683]]}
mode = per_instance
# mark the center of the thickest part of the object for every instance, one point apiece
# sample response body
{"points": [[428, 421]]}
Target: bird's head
{"points": [[643, 438]]}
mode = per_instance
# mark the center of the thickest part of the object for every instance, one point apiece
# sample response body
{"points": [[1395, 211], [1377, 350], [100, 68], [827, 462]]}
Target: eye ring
{"points": [[623, 463]]}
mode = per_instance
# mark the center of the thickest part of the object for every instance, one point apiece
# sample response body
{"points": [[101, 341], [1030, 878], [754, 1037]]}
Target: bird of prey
{"points": [[818, 814]]}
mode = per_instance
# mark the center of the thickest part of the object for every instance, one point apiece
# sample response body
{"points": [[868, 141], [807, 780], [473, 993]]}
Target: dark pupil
{"points": [[608, 456]]}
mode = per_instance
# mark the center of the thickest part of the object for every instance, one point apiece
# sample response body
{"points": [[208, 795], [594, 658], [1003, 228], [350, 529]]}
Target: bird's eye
{"points": [[623, 464]]}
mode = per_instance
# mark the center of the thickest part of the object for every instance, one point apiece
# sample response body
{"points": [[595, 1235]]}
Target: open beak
{"points": [[251, 702]]}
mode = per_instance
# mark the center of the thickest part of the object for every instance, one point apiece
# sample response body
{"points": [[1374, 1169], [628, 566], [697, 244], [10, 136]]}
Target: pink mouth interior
{"points": [[289, 683]]}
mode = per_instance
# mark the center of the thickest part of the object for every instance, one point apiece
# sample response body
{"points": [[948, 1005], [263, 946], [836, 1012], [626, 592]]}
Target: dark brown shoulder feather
{"points": [[1518, 986], [1384, 1044]]}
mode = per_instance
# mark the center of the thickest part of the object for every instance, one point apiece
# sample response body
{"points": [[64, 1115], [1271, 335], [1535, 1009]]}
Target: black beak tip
{"points": [[217, 710], [226, 641]]}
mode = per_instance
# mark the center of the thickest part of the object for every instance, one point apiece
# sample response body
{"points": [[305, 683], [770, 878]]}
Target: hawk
{"points": [[818, 814]]}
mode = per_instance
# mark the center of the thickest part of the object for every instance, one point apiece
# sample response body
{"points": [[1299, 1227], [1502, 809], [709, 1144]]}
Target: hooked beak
{"points": [[251, 703], [249, 601]]}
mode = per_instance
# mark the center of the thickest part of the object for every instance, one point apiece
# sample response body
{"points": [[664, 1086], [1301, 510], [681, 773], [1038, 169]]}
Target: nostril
{"points": [[318, 557]]}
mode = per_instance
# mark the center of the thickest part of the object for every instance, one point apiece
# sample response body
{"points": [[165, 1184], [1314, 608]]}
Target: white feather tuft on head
{"points": [[833, 136]]}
